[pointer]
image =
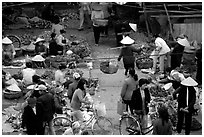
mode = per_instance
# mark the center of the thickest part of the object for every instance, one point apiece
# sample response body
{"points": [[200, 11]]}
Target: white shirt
{"points": [[142, 93], [159, 42], [59, 40], [97, 15], [27, 75], [56, 28], [59, 77]]}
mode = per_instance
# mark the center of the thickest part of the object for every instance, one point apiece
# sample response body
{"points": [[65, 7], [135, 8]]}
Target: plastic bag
{"points": [[101, 109], [121, 107]]}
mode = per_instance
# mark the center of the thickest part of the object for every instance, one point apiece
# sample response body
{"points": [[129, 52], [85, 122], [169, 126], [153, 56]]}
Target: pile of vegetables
{"points": [[48, 74], [41, 24], [70, 72], [69, 15]]}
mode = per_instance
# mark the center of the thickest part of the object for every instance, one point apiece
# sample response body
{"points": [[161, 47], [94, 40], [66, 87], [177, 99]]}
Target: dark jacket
{"points": [[136, 100], [59, 103], [159, 129], [53, 48], [46, 106], [181, 91], [127, 54], [30, 120]]}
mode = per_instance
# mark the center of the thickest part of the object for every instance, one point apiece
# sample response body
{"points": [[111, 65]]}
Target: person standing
{"points": [[199, 65], [97, 14], [127, 54], [140, 99], [29, 117], [28, 73], [162, 125], [129, 85], [177, 52], [48, 12], [186, 99], [79, 98], [8, 50], [161, 50], [73, 85], [84, 14], [46, 108]]}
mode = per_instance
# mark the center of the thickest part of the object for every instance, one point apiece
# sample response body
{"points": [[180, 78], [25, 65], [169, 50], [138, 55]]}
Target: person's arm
{"points": [[57, 104], [59, 41], [53, 29], [13, 50], [70, 91], [121, 55], [192, 102], [176, 92], [158, 47], [148, 95], [61, 79], [124, 89], [80, 96]]}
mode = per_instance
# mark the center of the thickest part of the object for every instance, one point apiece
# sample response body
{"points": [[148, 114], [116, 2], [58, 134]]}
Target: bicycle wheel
{"points": [[102, 126], [16, 41], [60, 125], [129, 126]]}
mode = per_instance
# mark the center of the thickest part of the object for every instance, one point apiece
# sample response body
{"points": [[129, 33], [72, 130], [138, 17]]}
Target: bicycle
{"points": [[130, 124], [97, 125]]}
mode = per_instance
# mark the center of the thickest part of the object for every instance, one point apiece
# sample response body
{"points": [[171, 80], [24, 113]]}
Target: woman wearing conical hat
{"points": [[8, 50], [177, 52], [186, 99]]}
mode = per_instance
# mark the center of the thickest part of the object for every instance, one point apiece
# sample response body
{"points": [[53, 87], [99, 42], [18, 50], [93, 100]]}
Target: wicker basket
{"points": [[107, 69], [144, 63], [101, 22], [12, 94]]}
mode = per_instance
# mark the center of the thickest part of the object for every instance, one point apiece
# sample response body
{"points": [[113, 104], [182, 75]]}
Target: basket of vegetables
{"points": [[109, 67], [144, 63]]}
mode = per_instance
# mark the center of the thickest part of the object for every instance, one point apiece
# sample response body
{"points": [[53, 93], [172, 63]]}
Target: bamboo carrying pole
{"points": [[171, 31]]}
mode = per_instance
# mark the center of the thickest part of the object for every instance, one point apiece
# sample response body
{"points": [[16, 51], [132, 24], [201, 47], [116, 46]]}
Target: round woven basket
{"points": [[12, 94], [107, 69], [144, 63]]}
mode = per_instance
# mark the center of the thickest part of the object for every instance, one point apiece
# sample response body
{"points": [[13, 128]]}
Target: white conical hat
{"points": [[133, 26], [127, 40], [13, 87], [38, 58], [31, 87], [6, 40], [189, 82], [38, 40], [184, 42], [69, 52], [12, 81]]}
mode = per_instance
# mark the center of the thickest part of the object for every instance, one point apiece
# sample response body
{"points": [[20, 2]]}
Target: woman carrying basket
{"points": [[127, 53]]}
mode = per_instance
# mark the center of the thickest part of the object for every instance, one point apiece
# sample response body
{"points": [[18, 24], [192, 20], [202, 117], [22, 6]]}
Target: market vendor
{"points": [[53, 45], [40, 48], [28, 73], [178, 49], [60, 76], [127, 54], [62, 42], [8, 50], [59, 102], [161, 50], [186, 99]]}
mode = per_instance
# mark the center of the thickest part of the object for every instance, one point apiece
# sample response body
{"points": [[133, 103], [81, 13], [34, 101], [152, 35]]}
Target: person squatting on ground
{"points": [[127, 54], [186, 99], [8, 50], [73, 85], [59, 101], [60, 76], [129, 85], [161, 50], [140, 99], [40, 48], [162, 125], [28, 73], [46, 109], [79, 98], [97, 14], [84, 15]]}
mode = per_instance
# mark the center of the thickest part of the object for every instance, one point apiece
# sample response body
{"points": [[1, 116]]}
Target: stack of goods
{"points": [[80, 48]]}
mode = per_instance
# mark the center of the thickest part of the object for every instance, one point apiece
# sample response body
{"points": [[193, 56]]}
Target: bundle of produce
{"points": [[48, 74], [69, 15], [80, 48], [70, 72], [157, 91], [46, 35]]}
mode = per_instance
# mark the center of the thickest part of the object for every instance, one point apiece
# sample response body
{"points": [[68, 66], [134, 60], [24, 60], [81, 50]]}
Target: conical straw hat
{"points": [[189, 82], [127, 40], [39, 40], [184, 42], [12, 81], [6, 40], [133, 26], [38, 58], [13, 87]]}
